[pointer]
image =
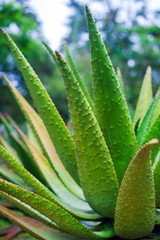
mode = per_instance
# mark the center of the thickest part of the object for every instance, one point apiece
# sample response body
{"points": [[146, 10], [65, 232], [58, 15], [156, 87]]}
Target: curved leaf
{"points": [[44, 140], [135, 209], [55, 125], [110, 106], [64, 220], [77, 76], [145, 97], [34, 227], [97, 174], [146, 123]]}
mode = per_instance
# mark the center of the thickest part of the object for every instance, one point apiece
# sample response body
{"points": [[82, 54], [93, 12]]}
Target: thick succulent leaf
{"points": [[11, 176], [97, 174], [64, 220], [52, 179], [145, 97], [27, 209], [135, 209], [146, 123], [34, 227], [29, 179], [110, 106], [55, 125], [157, 180], [10, 149], [44, 140], [77, 76], [33, 139], [156, 110], [154, 132], [120, 80], [6, 124], [84, 212], [27, 160], [105, 230], [9, 131], [52, 54]]}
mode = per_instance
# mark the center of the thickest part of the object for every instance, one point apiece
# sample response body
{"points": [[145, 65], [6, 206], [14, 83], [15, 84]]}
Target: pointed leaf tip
{"points": [[135, 209]]}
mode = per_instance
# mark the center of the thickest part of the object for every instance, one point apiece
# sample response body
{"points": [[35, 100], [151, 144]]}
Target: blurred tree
{"points": [[22, 25], [131, 32]]}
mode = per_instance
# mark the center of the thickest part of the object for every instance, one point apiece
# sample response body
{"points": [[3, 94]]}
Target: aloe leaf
{"points": [[29, 179], [157, 180], [33, 139], [6, 124], [32, 226], [77, 76], [105, 230], [27, 209], [120, 80], [52, 54], [145, 97], [135, 209], [156, 111], [10, 149], [146, 123], [27, 160], [63, 219], [51, 178], [84, 212], [11, 176], [44, 140], [154, 132], [99, 182], [110, 106], [56, 127]]}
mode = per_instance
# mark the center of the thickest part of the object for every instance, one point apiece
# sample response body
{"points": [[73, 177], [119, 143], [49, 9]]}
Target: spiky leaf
{"points": [[56, 127], [77, 76], [110, 105], [135, 209], [96, 170], [145, 97], [44, 140]]}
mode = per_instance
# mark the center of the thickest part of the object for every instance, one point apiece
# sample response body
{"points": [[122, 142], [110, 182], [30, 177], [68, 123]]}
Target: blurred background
{"points": [[130, 30]]}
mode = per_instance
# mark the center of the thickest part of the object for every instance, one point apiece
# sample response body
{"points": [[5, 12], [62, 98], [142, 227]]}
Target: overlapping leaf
{"points": [[110, 105]]}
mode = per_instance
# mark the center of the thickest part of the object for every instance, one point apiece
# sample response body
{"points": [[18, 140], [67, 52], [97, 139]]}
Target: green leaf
{"points": [[33, 139], [156, 111], [145, 97], [77, 76], [110, 106], [64, 220], [52, 54], [83, 212], [99, 181], [29, 179], [146, 123], [11, 176], [157, 180], [154, 132], [10, 149], [120, 80], [56, 127], [27, 209], [27, 160], [44, 140], [135, 209], [55, 183], [34, 227]]}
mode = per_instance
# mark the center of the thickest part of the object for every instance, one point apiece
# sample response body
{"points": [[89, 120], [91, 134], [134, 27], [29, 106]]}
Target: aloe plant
{"points": [[99, 183]]}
